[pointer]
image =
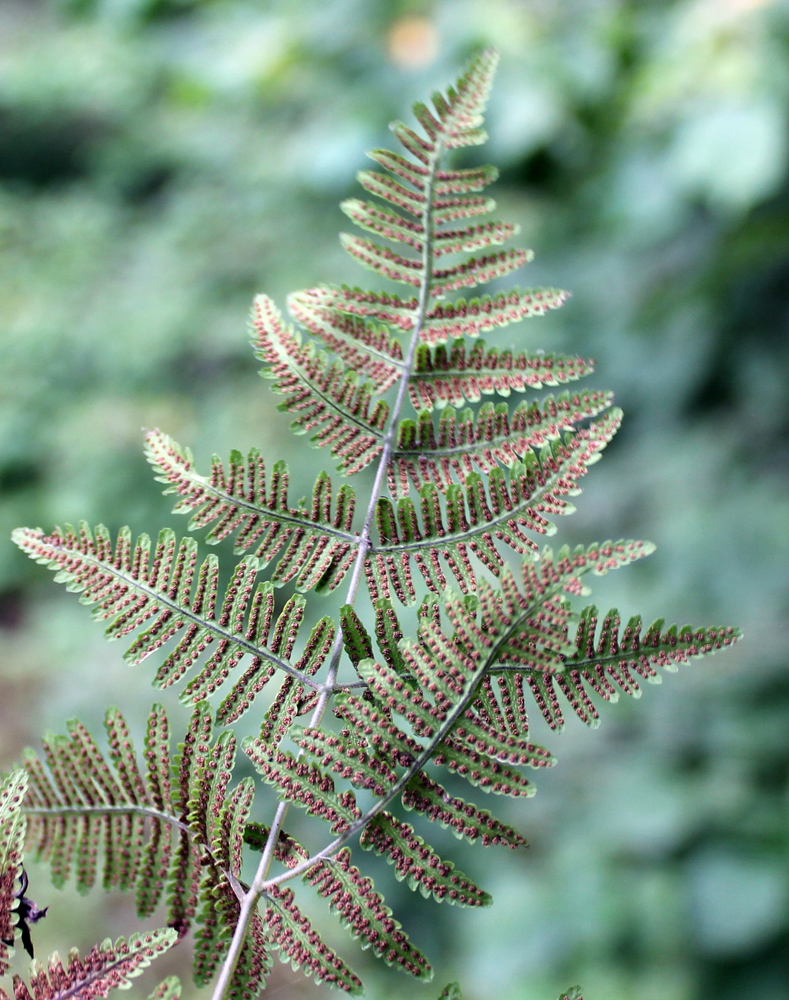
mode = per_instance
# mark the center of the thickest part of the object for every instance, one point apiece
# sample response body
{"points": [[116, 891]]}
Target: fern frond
{"points": [[443, 377], [328, 399], [451, 699], [318, 540], [472, 518], [467, 821], [460, 444], [462, 318], [217, 915], [297, 941], [382, 307], [174, 827], [450, 716], [178, 827], [367, 348], [106, 967], [12, 843], [353, 898], [418, 864], [362, 910], [305, 785], [606, 665], [133, 586], [445, 320]]}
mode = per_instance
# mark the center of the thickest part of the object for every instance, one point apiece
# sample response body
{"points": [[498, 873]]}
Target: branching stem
{"points": [[328, 688]]}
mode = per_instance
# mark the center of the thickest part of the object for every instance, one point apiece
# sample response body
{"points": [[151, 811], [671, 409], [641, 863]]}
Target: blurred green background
{"points": [[163, 160]]}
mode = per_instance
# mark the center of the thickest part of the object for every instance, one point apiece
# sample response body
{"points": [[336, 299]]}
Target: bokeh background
{"points": [[163, 160]]}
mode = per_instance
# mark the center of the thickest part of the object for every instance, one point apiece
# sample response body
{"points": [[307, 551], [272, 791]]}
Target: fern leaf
{"points": [[373, 727], [461, 318], [177, 827], [466, 821], [460, 444], [304, 784], [390, 224], [473, 518], [367, 348], [382, 307], [356, 639], [362, 910], [131, 588], [444, 321], [388, 633], [451, 992], [218, 914], [345, 756], [12, 842], [443, 377], [606, 665], [418, 864], [106, 967], [446, 698], [299, 943], [414, 859], [353, 898], [314, 547], [328, 399], [180, 828]]}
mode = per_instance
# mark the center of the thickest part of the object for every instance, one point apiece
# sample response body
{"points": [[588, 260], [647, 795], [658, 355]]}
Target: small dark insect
{"points": [[27, 913]]}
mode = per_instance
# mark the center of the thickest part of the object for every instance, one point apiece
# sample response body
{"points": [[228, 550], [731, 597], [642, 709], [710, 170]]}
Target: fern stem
{"points": [[259, 884]]}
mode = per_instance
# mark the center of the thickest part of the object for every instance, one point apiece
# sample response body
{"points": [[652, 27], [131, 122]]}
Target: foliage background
{"points": [[163, 160]]}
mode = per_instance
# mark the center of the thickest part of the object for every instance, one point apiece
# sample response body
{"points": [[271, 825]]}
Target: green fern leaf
{"points": [[445, 320], [460, 443], [132, 588], [451, 699], [425, 795], [418, 864], [299, 943], [444, 377], [607, 668], [319, 546], [362, 910], [306, 785], [367, 348], [462, 318], [328, 399], [12, 842], [353, 898], [474, 518], [179, 828], [151, 831], [106, 967], [446, 699], [356, 639]]}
